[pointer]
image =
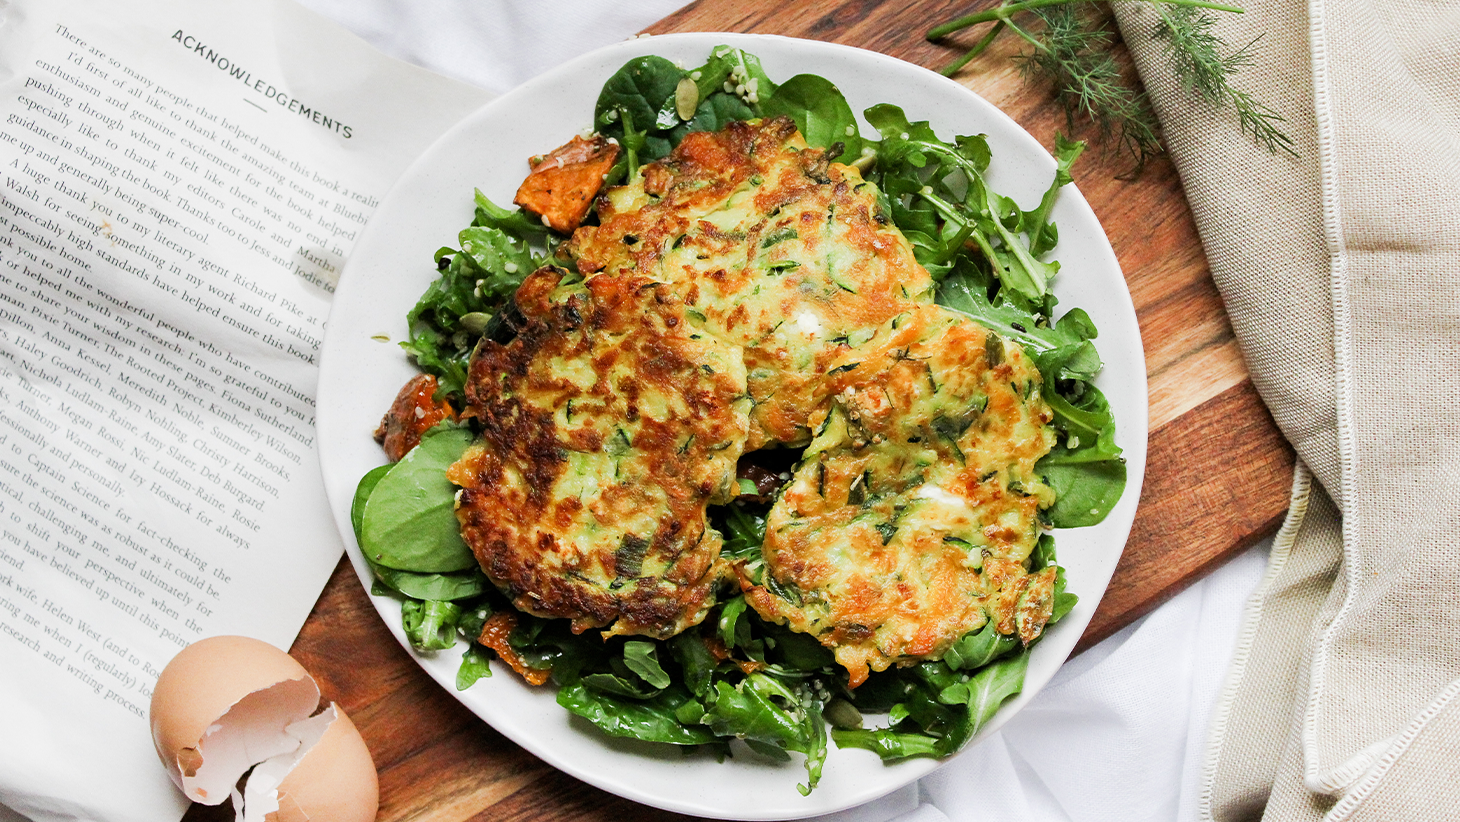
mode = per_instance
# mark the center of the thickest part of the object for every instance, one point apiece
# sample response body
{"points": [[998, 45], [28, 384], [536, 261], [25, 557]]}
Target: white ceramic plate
{"points": [[391, 266]]}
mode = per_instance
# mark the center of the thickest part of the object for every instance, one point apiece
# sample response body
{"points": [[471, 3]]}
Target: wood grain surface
{"points": [[1217, 477]]}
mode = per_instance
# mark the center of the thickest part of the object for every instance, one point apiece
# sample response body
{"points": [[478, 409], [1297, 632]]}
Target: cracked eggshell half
{"points": [[335, 780], [219, 707], [226, 704]]}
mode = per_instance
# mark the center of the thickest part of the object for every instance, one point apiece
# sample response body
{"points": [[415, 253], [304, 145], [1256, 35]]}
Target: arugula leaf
{"points": [[493, 260], [978, 648], [475, 665], [652, 720], [763, 709], [409, 521], [981, 696], [889, 744], [695, 661], [431, 624], [640, 658]]}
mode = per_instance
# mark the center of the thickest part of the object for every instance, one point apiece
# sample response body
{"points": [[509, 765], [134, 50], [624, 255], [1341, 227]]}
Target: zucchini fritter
{"points": [[608, 424], [909, 519], [779, 250]]}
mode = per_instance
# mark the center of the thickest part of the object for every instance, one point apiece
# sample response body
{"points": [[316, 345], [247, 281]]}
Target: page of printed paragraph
{"points": [[180, 182]]}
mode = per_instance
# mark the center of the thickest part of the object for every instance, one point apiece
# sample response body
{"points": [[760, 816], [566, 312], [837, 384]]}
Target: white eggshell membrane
{"points": [[256, 729], [226, 705]]}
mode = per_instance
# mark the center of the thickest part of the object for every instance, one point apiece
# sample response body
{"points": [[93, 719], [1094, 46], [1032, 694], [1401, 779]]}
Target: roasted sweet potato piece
{"points": [[563, 183], [412, 414]]}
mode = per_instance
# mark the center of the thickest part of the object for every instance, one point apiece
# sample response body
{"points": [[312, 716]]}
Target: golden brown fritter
{"points": [[780, 251], [910, 517], [608, 424]]}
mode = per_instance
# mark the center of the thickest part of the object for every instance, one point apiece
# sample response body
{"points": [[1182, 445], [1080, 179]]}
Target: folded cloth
{"points": [[1335, 265]]}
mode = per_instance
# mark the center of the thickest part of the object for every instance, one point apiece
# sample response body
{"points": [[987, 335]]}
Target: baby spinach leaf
{"points": [[362, 493], [458, 586], [1088, 482], [409, 522], [820, 111], [635, 96]]}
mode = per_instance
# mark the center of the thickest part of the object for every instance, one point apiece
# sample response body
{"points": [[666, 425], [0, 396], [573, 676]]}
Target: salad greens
{"points": [[736, 676]]}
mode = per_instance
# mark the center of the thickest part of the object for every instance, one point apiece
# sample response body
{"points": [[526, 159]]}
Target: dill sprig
{"points": [[1196, 56], [1073, 53], [1071, 49]]}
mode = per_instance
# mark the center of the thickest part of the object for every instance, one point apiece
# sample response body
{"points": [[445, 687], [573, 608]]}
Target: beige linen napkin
{"points": [[1341, 271]]}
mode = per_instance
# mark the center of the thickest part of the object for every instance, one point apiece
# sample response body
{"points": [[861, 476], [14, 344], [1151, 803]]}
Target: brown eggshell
{"points": [[335, 781], [199, 687]]}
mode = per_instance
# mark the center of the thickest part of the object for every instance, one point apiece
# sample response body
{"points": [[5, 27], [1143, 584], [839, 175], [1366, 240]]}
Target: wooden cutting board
{"points": [[1217, 478]]}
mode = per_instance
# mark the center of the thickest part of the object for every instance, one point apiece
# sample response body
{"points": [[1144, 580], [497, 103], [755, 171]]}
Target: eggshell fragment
{"points": [[218, 709], [334, 781], [227, 706]]}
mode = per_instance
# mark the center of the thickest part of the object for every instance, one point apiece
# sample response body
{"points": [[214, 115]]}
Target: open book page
{"points": [[179, 184]]}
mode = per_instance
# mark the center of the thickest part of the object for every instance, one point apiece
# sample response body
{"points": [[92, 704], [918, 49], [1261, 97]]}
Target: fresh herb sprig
{"points": [[1071, 51]]}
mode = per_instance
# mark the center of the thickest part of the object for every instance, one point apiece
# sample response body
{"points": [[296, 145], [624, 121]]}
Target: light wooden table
{"points": [[1217, 477]]}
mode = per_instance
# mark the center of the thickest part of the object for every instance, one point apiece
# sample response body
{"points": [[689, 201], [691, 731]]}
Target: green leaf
{"points": [[652, 720], [618, 686], [430, 625], [1087, 485], [978, 648], [888, 744], [362, 493], [641, 658], [409, 522], [731, 616], [763, 709], [1086, 469], [475, 280], [695, 660], [635, 96], [982, 695], [820, 111], [474, 666], [457, 586]]}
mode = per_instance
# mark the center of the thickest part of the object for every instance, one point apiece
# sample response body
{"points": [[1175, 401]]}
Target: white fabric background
{"points": [[1119, 734]]}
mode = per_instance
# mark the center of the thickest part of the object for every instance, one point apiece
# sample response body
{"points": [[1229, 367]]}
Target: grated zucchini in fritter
{"points": [[741, 294], [779, 250], [608, 425], [908, 521]]}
